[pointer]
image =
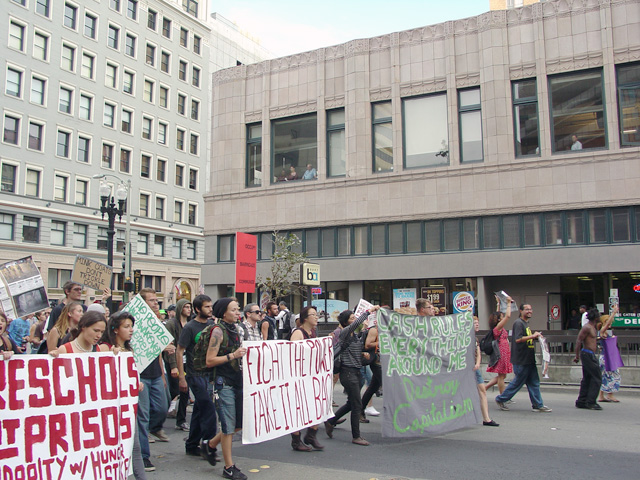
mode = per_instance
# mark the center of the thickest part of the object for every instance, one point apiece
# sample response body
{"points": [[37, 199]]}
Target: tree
{"points": [[285, 269]]}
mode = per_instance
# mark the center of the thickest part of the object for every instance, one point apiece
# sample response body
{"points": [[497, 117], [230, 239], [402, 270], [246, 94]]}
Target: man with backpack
{"points": [[268, 325], [283, 320], [203, 419]]}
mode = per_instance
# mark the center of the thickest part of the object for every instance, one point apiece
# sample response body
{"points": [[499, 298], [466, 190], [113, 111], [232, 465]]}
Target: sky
{"points": [[285, 27]]}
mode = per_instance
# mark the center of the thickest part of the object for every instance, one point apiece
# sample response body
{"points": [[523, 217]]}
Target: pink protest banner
{"points": [[246, 251], [287, 386], [68, 417]]}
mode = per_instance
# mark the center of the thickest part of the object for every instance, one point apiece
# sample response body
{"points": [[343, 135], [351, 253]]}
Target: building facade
{"points": [[498, 152], [113, 88]]}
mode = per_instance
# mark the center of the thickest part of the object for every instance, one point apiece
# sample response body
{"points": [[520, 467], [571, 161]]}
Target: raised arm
{"points": [[507, 315]]}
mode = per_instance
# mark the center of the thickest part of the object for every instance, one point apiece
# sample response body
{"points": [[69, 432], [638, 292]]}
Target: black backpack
{"points": [[486, 344]]}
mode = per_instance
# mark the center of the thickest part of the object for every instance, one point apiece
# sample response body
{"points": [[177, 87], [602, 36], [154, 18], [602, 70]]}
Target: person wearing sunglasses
{"points": [[251, 323]]}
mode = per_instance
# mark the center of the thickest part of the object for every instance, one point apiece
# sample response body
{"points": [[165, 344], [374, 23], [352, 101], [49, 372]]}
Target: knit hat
{"points": [[221, 306]]}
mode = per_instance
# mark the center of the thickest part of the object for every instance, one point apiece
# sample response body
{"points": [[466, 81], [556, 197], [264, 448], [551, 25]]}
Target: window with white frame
{"points": [[85, 107], [84, 149], [70, 16], [63, 144], [41, 46], [32, 183], [36, 136], [38, 89], [60, 187], [80, 235], [16, 35], [109, 115], [11, 134], [14, 83]]}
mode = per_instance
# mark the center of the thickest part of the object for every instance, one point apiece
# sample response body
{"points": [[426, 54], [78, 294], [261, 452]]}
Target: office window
{"points": [[125, 160], [150, 55], [451, 234], [158, 246], [191, 7], [127, 84], [152, 18], [126, 117], [193, 179], [195, 109], [160, 208], [471, 233], [79, 235], [575, 226], [58, 233], [166, 27], [114, 5], [396, 238], [182, 70], [414, 237], [180, 139], [162, 133], [107, 156], [191, 249], [130, 45], [176, 250], [42, 7], [146, 128], [82, 188], [628, 77], [14, 83], [145, 166], [87, 69], [16, 36], [9, 173], [11, 130], [532, 230], [36, 136], [177, 211], [38, 86], [60, 188], [164, 97], [525, 117], [295, 146], [179, 175], [620, 225], [470, 118], [161, 170], [40, 46], [491, 232], [378, 239], [432, 234], [254, 156], [597, 226], [109, 115], [195, 77], [577, 111], [84, 149], [382, 137], [184, 37], [90, 24], [66, 97], [225, 248], [144, 205], [511, 231], [192, 216], [113, 37], [7, 223], [426, 137], [85, 107], [132, 9], [165, 61], [143, 244], [63, 144], [193, 147], [31, 229], [32, 185], [182, 100], [336, 145], [70, 16], [197, 44], [68, 61], [553, 224], [111, 75], [147, 95]]}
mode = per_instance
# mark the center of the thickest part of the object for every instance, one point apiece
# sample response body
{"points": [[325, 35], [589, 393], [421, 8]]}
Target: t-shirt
{"points": [[187, 341], [153, 371], [18, 329], [522, 353]]}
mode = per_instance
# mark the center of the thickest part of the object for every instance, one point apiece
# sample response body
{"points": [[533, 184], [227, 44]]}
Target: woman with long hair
{"points": [[85, 336], [497, 322], [68, 319]]}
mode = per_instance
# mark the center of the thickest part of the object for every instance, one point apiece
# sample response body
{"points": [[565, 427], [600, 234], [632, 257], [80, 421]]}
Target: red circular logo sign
{"points": [[555, 312]]}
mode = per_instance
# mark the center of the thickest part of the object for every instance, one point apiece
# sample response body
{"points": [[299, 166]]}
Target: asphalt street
{"points": [[567, 442]]}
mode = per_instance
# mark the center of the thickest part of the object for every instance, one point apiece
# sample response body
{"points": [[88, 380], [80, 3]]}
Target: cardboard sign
{"points": [[287, 386], [150, 336], [68, 417], [246, 251], [22, 290], [92, 274]]}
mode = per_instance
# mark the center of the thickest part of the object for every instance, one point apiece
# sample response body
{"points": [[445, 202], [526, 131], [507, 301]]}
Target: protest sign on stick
{"points": [[150, 336], [428, 377], [23, 291], [92, 274], [71, 417], [287, 386]]}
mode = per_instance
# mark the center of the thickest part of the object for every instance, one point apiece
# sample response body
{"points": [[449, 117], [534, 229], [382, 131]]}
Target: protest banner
{"points": [[68, 417], [428, 377], [287, 386], [92, 274], [150, 336], [22, 290], [246, 251]]}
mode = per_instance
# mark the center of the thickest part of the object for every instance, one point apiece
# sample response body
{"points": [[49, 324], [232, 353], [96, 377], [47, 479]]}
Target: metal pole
{"points": [[127, 273], [111, 213]]}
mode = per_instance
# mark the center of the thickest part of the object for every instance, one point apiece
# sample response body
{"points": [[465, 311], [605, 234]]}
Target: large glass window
{"points": [[577, 111], [620, 225], [451, 230], [597, 226], [470, 125], [426, 137], [328, 242], [295, 147], [629, 103], [532, 230], [254, 156], [7, 223], [382, 137], [525, 117], [491, 232], [511, 231], [471, 233], [414, 237], [575, 228], [553, 228], [9, 173], [378, 239], [336, 145], [432, 236], [31, 229]]}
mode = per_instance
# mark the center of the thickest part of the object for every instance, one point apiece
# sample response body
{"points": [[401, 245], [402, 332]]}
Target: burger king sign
{"points": [[463, 302]]}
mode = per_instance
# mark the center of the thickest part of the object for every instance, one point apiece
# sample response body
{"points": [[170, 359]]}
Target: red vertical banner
{"points": [[246, 251]]}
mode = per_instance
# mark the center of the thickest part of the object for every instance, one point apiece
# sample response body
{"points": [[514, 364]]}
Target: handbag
{"points": [[495, 353]]}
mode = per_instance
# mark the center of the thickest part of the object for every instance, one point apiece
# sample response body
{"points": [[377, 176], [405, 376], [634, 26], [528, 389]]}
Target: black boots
{"points": [[310, 439], [297, 444]]}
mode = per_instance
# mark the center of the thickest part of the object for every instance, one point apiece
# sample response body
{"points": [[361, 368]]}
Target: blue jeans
{"points": [[525, 374], [152, 404], [203, 417]]}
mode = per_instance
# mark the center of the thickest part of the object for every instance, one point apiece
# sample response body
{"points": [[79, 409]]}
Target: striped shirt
{"points": [[254, 333], [351, 355]]}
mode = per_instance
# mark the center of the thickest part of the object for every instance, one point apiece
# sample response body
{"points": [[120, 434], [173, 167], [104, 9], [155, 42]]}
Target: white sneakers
{"points": [[371, 411]]}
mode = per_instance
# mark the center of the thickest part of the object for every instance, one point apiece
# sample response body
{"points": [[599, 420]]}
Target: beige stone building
{"points": [[494, 152]]}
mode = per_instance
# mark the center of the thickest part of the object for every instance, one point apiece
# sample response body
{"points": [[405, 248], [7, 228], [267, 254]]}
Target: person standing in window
{"points": [[576, 145], [310, 173]]}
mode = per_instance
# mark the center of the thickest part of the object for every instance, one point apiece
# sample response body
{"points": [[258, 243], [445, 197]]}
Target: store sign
{"points": [[437, 296], [310, 274], [463, 302], [246, 248]]}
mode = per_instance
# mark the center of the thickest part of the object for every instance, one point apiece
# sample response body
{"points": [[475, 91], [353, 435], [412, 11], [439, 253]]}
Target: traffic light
{"points": [[128, 285]]}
